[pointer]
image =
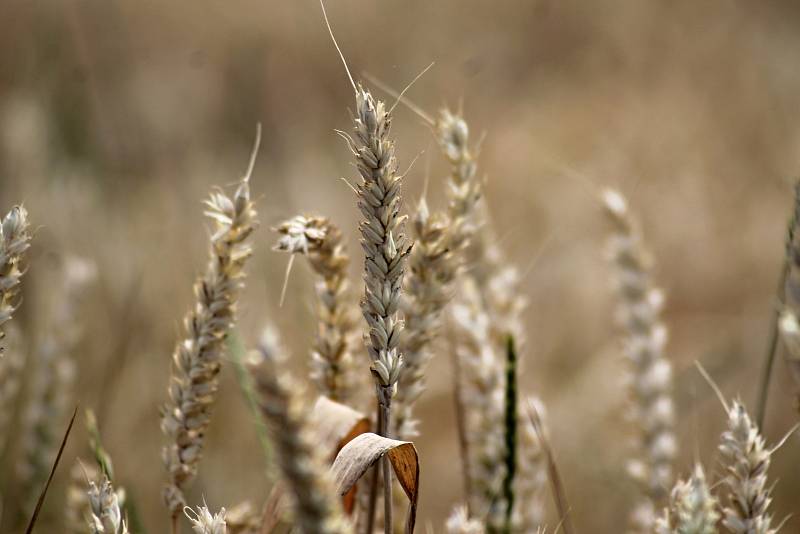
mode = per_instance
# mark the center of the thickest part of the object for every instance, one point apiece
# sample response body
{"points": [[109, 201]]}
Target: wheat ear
{"points": [[105, 512], [385, 249], [483, 386], [320, 241], [197, 358], [531, 480], [487, 309], [692, 508], [471, 233], [464, 189], [439, 240], [15, 240], [204, 522], [427, 291], [243, 519], [746, 461], [650, 372], [460, 523], [300, 460]]}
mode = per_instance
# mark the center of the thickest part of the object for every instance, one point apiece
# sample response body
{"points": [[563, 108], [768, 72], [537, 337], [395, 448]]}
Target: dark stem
{"points": [[790, 258], [510, 431], [769, 362], [772, 347], [40, 501]]}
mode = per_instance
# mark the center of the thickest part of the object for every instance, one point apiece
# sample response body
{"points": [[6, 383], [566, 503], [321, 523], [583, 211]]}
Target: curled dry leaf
{"points": [[362, 452], [336, 425]]}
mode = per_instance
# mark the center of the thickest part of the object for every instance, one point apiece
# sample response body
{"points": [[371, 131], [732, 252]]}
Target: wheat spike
{"points": [[692, 508], [650, 372], [204, 522], [487, 309], [746, 460], [464, 189], [15, 240], [382, 238], [104, 505], [483, 385], [243, 519], [197, 357], [76, 500], [427, 291], [320, 241], [531, 480], [385, 250], [460, 523], [300, 460]]}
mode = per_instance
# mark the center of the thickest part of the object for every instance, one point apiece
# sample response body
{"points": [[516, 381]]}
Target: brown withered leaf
{"points": [[364, 450], [336, 424]]}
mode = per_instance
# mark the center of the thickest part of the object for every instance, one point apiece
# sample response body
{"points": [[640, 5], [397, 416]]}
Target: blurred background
{"points": [[116, 119]]}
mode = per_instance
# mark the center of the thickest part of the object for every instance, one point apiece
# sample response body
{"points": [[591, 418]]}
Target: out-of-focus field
{"points": [[116, 118]]}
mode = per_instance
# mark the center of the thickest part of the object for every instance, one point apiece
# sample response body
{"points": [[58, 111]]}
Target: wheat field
{"points": [[529, 261]]}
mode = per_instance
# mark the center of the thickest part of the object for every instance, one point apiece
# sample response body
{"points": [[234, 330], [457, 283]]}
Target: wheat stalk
{"points": [[385, 249], [197, 357], [692, 508], [15, 240], [486, 311], [650, 372], [300, 460], [483, 385], [320, 241]]}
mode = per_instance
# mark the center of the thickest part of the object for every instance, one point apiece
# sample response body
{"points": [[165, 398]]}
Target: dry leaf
{"points": [[362, 452], [336, 424]]}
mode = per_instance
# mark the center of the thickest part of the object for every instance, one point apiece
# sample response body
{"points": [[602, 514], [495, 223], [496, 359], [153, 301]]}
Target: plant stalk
{"points": [[387, 470], [175, 524], [373, 484]]}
